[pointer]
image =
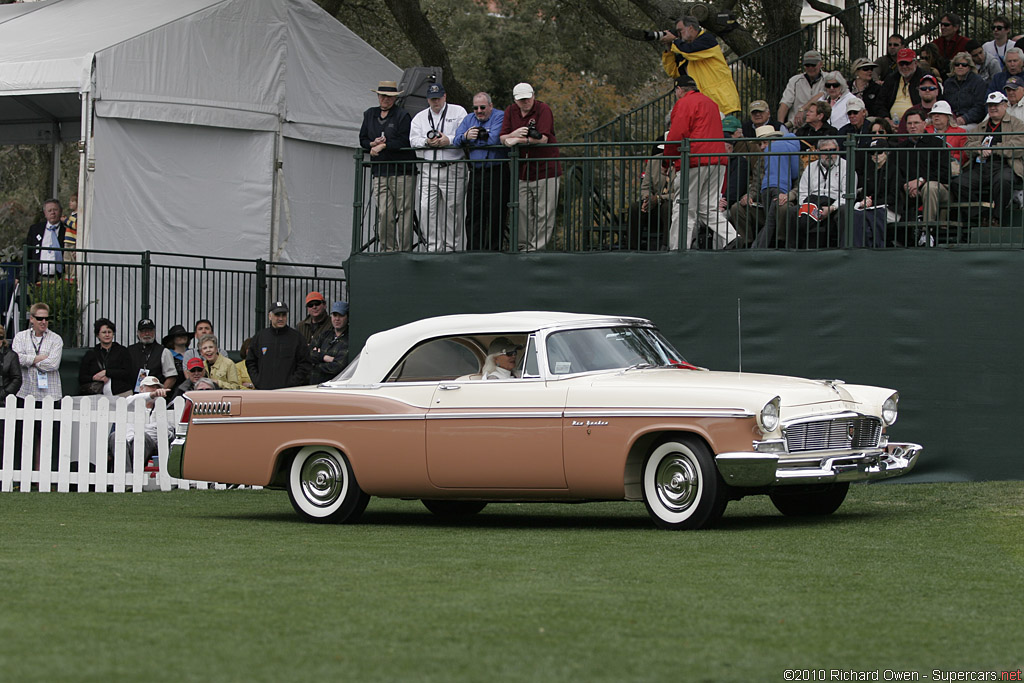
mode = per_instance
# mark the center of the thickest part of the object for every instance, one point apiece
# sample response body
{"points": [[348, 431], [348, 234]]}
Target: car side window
{"points": [[435, 360]]}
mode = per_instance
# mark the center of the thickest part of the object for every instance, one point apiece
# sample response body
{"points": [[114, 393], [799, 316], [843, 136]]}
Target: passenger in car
{"points": [[501, 359]]}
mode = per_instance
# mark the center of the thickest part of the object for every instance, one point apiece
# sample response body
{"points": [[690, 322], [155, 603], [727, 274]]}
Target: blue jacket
{"points": [[477, 148], [782, 170], [966, 98]]}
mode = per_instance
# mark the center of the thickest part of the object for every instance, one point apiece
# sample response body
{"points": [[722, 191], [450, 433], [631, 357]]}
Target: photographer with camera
{"points": [[488, 192], [529, 123], [442, 205], [694, 51]]}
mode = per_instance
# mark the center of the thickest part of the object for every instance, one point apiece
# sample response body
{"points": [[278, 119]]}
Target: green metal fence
{"points": [[172, 289]]}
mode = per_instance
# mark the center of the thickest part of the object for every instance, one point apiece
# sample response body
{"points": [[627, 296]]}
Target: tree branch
{"points": [[424, 39]]}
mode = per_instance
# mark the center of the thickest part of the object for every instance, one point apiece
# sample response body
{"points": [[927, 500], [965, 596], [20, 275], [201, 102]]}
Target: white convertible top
{"points": [[384, 349]]}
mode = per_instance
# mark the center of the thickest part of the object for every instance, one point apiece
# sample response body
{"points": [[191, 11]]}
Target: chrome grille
{"points": [[835, 434], [211, 407]]}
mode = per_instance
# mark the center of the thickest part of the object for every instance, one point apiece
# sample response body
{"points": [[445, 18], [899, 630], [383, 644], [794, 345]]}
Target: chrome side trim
{"points": [[533, 414], [306, 418], [659, 412]]}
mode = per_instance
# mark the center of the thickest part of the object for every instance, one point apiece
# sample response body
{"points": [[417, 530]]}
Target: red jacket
{"points": [[695, 117]]}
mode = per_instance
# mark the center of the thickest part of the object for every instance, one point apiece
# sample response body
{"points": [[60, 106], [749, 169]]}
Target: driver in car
{"points": [[501, 359]]}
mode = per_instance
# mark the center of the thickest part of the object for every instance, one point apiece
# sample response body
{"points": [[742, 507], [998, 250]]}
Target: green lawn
{"points": [[230, 585]]}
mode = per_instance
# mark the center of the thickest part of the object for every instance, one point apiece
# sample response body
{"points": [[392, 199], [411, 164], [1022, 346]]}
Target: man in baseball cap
{"points": [[278, 356], [801, 89], [150, 359], [317, 321]]}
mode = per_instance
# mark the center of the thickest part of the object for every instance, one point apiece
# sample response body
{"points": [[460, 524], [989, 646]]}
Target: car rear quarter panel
{"points": [[245, 448]]}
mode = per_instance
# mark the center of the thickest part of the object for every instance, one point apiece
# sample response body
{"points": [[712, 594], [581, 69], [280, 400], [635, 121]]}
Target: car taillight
{"points": [[186, 414]]}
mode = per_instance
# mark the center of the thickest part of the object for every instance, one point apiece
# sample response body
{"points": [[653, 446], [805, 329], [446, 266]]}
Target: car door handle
{"points": [[449, 387]]}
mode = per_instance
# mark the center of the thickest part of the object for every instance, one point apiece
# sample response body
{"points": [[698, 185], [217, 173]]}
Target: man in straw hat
{"points": [[384, 134]]}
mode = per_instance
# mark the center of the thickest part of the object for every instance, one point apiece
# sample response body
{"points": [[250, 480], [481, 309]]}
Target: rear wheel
{"points": [[454, 508], [322, 488], [809, 501], [681, 485]]}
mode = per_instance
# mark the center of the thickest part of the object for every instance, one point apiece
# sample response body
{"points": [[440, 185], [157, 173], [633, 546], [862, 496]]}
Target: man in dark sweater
{"points": [[278, 355], [384, 134]]}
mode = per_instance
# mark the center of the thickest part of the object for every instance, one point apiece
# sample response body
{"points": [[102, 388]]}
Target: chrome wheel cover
{"points": [[323, 480], [677, 482]]}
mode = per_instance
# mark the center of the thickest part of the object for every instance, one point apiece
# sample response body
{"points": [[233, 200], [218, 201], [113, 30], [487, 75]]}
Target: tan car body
{"points": [[574, 436]]}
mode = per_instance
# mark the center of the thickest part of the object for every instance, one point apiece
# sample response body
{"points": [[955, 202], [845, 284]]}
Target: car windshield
{"points": [[608, 348]]}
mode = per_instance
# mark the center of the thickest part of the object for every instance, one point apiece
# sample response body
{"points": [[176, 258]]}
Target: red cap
{"points": [[906, 55], [315, 296], [194, 363]]}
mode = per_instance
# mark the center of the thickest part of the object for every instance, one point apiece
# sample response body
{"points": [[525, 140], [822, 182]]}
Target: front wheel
{"points": [[454, 508], [809, 501], [681, 485], [322, 487]]}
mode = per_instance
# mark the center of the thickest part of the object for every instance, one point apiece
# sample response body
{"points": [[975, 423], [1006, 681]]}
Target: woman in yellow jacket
{"points": [[218, 368]]}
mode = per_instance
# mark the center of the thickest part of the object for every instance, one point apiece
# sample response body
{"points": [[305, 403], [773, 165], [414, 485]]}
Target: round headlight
{"points": [[769, 417], [890, 409]]}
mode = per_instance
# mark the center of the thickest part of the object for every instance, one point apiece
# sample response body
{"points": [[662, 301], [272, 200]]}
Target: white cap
{"points": [[150, 381], [941, 107], [522, 91], [996, 97]]}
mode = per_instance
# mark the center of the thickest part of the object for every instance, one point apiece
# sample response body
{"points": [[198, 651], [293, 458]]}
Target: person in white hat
{"points": [[150, 388], [997, 156], [530, 126], [943, 124]]}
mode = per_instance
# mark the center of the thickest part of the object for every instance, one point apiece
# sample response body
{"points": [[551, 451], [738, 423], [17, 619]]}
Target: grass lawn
{"points": [[231, 586]]}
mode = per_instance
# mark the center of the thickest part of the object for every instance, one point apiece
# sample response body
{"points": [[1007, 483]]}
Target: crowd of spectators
{"points": [[930, 127]]}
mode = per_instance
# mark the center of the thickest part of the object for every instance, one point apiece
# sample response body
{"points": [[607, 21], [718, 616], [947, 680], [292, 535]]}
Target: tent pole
{"points": [[275, 202]]}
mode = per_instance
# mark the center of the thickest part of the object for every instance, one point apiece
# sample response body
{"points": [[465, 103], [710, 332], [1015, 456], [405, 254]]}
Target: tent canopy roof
{"points": [[250, 64]]}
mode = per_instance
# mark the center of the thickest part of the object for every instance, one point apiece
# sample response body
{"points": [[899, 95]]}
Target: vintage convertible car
{"points": [[597, 408]]}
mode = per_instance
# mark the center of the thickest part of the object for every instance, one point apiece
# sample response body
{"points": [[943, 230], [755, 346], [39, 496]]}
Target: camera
{"points": [[658, 35], [531, 130], [433, 134], [482, 133]]}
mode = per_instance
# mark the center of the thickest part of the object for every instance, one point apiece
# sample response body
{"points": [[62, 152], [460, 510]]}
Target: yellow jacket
{"points": [[705, 64]]}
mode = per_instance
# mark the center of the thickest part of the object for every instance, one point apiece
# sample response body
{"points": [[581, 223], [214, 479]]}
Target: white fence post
{"points": [[83, 445]]}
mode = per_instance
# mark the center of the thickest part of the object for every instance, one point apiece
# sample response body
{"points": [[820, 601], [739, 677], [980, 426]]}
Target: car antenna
{"points": [[739, 332]]}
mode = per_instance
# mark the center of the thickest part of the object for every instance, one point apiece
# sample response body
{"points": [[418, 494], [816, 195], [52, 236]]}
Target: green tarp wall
{"points": [[943, 327]]}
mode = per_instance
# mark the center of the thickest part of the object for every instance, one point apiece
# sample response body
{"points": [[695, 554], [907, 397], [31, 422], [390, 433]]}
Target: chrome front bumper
{"points": [[768, 469]]}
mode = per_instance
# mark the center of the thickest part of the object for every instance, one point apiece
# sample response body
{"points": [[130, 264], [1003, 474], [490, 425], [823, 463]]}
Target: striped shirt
{"points": [[27, 345]]}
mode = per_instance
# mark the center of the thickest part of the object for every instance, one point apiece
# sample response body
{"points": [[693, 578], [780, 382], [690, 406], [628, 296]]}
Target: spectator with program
{"points": [[149, 358], [800, 90], [996, 150], [695, 52], [821, 194]]}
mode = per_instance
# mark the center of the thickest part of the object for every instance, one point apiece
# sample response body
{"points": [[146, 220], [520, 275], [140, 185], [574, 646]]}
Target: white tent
{"points": [[219, 127]]}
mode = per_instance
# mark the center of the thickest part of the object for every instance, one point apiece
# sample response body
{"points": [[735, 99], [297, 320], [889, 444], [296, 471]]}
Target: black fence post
{"points": [[147, 261], [357, 204], [261, 292], [513, 199]]}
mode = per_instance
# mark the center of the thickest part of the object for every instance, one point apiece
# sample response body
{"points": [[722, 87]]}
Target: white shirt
{"points": [[47, 256], [140, 402], [446, 121], [500, 373], [998, 52], [27, 345], [824, 182]]}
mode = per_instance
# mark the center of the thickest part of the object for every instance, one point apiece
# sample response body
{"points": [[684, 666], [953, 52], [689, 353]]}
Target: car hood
{"points": [[677, 387]]}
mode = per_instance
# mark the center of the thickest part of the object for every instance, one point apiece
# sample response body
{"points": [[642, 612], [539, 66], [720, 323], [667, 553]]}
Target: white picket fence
{"points": [[84, 428]]}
